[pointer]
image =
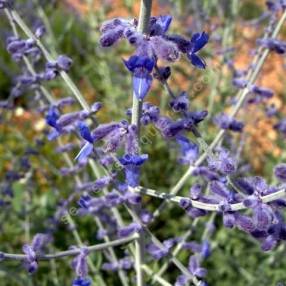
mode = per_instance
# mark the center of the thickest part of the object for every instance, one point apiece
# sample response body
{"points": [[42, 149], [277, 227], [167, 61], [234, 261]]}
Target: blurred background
{"points": [[73, 29]]}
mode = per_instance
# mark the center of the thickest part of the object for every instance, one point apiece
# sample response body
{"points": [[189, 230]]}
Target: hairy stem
{"points": [[143, 26], [205, 206], [73, 252]]}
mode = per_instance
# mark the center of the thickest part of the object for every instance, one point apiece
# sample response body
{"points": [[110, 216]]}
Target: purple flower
{"points": [[111, 37], [141, 68], [4, 4], [103, 130], [228, 219], [81, 282], [40, 31], [223, 162], [281, 126], [150, 113], [195, 212], [130, 197], [180, 103], [130, 229], [113, 199], [244, 222], [244, 185], [263, 92], [205, 249], [195, 268], [110, 266], [198, 41], [109, 25], [275, 45], [64, 62], [101, 233], [97, 185], [189, 150], [183, 44], [84, 152], [195, 191], [145, 216], [274, 5], [181, 280], [269, 243], [271, 110], [65, 148], [34, 249], [19, 48], [226, 122], [96, 107], [221, 190], [239, 82], [66, 101], [197, 116], [193, 246], [87, 149], [185, 203], [40, 240], [85, 132], [157, 252], [133, 160], [125, 263], [70, 118], [280, 172], [164, 49], [115, 29], [52, 116], [206, 173], [79, 263], [262, 217], [160, 25], [168, 127]]}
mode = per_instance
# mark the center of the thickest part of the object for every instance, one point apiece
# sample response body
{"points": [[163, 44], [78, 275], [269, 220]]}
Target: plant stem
{"points": [[205, 206], [143, 27], [158, 243], [73, 252]]}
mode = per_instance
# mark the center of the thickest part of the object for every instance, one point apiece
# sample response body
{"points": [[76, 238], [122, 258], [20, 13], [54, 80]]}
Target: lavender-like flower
{"points": [[81, 282], [226, 122], [189, 150], [130, 229], [79, 263], [141, 68], [132, 165], [198, 41], [280, 172], [32, 250]]}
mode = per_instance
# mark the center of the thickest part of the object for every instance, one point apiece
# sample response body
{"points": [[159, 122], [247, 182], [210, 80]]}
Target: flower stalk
{"points": [[143, 26]]}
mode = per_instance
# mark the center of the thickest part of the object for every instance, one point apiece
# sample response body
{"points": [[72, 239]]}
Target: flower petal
{"points": [[85, 132], [197, 61], [199, 41], [141, 84], [164, 22], [85, 151]]}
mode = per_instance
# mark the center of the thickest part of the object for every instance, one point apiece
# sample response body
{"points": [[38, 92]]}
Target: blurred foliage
{"points": [[100, 74]]}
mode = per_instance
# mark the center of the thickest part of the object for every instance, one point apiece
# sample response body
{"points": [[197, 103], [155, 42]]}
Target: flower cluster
{"points": [[156, 45]]}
